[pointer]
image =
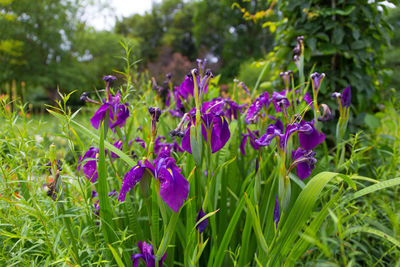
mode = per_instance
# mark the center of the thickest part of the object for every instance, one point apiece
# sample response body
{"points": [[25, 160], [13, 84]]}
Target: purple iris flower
{"points": [[131, 178], [109, 78], [176, 113], [212, 122], [89, 167], [326, 114], [187, 86], [255, 107], [147, 255], [280, 101], [277, 216], [346, 97], [158, 146], [140, 142], [304, 161], [316, 79], [308, 99], [253, 136], [174, 188], [273, 130], [232, 108], [118, 113], [309, 137], [201, 226], [118, 145]]}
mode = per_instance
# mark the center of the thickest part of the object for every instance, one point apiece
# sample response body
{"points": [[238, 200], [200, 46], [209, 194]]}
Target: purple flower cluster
{"points": [[308, 137]]}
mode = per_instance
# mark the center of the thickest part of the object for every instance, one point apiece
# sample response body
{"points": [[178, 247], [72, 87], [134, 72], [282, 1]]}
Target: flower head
{"points": [[316, 79], [253, 111], [89, 161], [304, 161], [118, 113], [280, 101], [232, 108], [201, 226], [252, 135], [277, 216], [346, 97], [174, 188], [309, 137], [147, 255], [109, 78]]}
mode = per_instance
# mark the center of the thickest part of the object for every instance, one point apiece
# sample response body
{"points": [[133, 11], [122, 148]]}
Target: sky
{"points": [[105, 18]]}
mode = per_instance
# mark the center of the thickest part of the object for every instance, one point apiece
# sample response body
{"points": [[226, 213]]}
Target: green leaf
{"points": [[256, 225], [372, 121], [327, 49], [372, 231], [338, 35], [116, 256], [376, 187], [220, 254], [298, 216], [106, 214]]}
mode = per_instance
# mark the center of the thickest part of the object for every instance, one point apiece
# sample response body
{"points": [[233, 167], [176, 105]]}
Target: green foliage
{"points": [[48, 47], [345, 39], [392, 54]]}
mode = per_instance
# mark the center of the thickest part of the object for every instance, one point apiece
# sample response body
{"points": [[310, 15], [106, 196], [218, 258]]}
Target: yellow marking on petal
{"points": [[222, 118], [97, 155], [170, 171]]}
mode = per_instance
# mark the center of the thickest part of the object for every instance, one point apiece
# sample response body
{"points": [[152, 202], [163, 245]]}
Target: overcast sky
{"points": [[104, 19]]}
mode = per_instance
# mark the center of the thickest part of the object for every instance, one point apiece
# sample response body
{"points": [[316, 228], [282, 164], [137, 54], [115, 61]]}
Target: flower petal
{"points": [[174, 188]]}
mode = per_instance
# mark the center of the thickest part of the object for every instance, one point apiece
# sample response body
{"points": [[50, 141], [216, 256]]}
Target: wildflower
{"points": [[285, 77], [244, 87], [280, 102], [147, 255], [118, 113], [201, 226], [132, 177], [304, 161], [232, 108], [346, 97], [168, 147], [326, 114], [109, 78], [253, 136], [252, 113], [118, 145], [316, 79], [214, 125], [309, 137], [273, 130], [174, 188], [89, 161], [277, 216]]}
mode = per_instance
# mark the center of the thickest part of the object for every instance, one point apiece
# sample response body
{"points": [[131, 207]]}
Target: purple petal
{"points": [[201, 226], [346, 97], [220, 133], [277, 216], [174, 188], [90, 170], [186, 140], [309, 139], [131, 178], [243, 144], [99, 115]]}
